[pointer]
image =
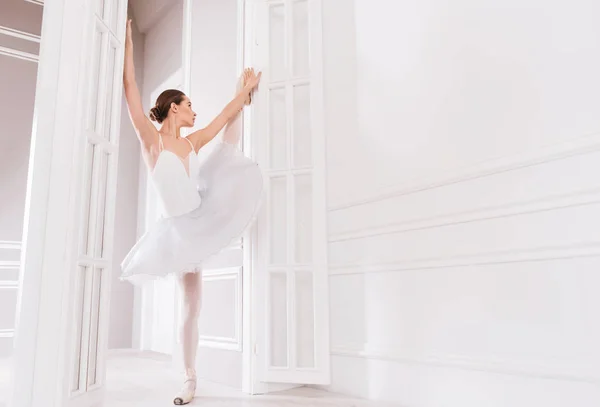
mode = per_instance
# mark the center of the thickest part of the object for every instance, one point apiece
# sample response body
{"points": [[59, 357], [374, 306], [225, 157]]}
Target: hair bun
{"points": [[155, 114], [161, 108]]}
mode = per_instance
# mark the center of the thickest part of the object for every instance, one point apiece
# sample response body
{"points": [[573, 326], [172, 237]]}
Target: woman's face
{"points": [[185, 115]]}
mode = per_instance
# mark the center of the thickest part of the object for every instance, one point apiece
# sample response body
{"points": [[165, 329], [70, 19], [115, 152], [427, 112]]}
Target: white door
{"points": [[291, 294], [101, 119], [66, 262]]}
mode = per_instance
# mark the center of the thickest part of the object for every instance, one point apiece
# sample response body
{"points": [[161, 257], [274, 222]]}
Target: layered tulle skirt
{"points": [[230, 187]]}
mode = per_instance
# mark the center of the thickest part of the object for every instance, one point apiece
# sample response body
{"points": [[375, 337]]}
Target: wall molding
{"points": [[25, 56], [221, 273], [553, 152], [582, 250], [7, 333], [222, 342], [9, 264], [510, 209], [217, 342], [513, 368], [10, 244], [9, 284], [24, 35], [15, 53]]}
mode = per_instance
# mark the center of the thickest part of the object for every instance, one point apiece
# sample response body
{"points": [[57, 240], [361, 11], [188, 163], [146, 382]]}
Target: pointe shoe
{"points": [[187, 392]]}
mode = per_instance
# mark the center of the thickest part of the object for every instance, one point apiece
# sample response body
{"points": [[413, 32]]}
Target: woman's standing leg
{"points": [[191, 289]]}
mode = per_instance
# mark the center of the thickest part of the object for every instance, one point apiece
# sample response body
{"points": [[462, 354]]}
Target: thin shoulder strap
{"points": [[160, 142], [191, 144]]}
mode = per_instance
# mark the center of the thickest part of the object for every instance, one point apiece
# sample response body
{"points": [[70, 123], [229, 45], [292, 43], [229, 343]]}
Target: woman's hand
{"points": [[200, 137], [128, 35], [251, 80]]}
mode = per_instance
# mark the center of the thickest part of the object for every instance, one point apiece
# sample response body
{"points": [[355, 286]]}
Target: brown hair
{"points": [[160, 110]]}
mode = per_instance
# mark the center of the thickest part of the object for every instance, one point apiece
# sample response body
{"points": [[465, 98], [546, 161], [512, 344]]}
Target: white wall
{"points": [[16, 113], [214, 57], [214, 74], [21, 15], [122, 295], [464, 201], [148, 13], [17, 87]]}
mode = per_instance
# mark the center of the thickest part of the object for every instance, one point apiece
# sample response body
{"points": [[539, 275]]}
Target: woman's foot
{"points": [[188, 391]]}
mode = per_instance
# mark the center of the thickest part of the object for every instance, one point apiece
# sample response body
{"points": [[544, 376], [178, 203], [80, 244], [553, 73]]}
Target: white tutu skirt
{"points": [[230, 187]]}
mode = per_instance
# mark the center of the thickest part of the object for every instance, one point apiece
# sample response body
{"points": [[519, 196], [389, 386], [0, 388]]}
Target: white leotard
{"points": [[176, 190]]}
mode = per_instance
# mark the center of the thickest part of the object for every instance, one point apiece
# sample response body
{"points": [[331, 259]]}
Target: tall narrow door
{"points": [[68, 234], [101, 117], [291, 268]]}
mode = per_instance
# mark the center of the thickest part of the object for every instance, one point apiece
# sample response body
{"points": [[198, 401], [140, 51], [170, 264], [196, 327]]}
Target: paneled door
{"points": [[101, 117], [291, 270]]}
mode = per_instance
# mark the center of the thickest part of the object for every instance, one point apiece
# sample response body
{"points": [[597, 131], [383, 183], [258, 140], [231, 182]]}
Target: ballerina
{"points": [[204, 207]]}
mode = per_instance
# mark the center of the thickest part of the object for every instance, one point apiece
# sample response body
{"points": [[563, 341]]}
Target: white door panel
{"points": [[98, 192], [292, 282]]}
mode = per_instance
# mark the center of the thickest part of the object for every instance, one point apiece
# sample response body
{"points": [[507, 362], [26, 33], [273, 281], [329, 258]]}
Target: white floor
{"points": [[146, 379]]}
